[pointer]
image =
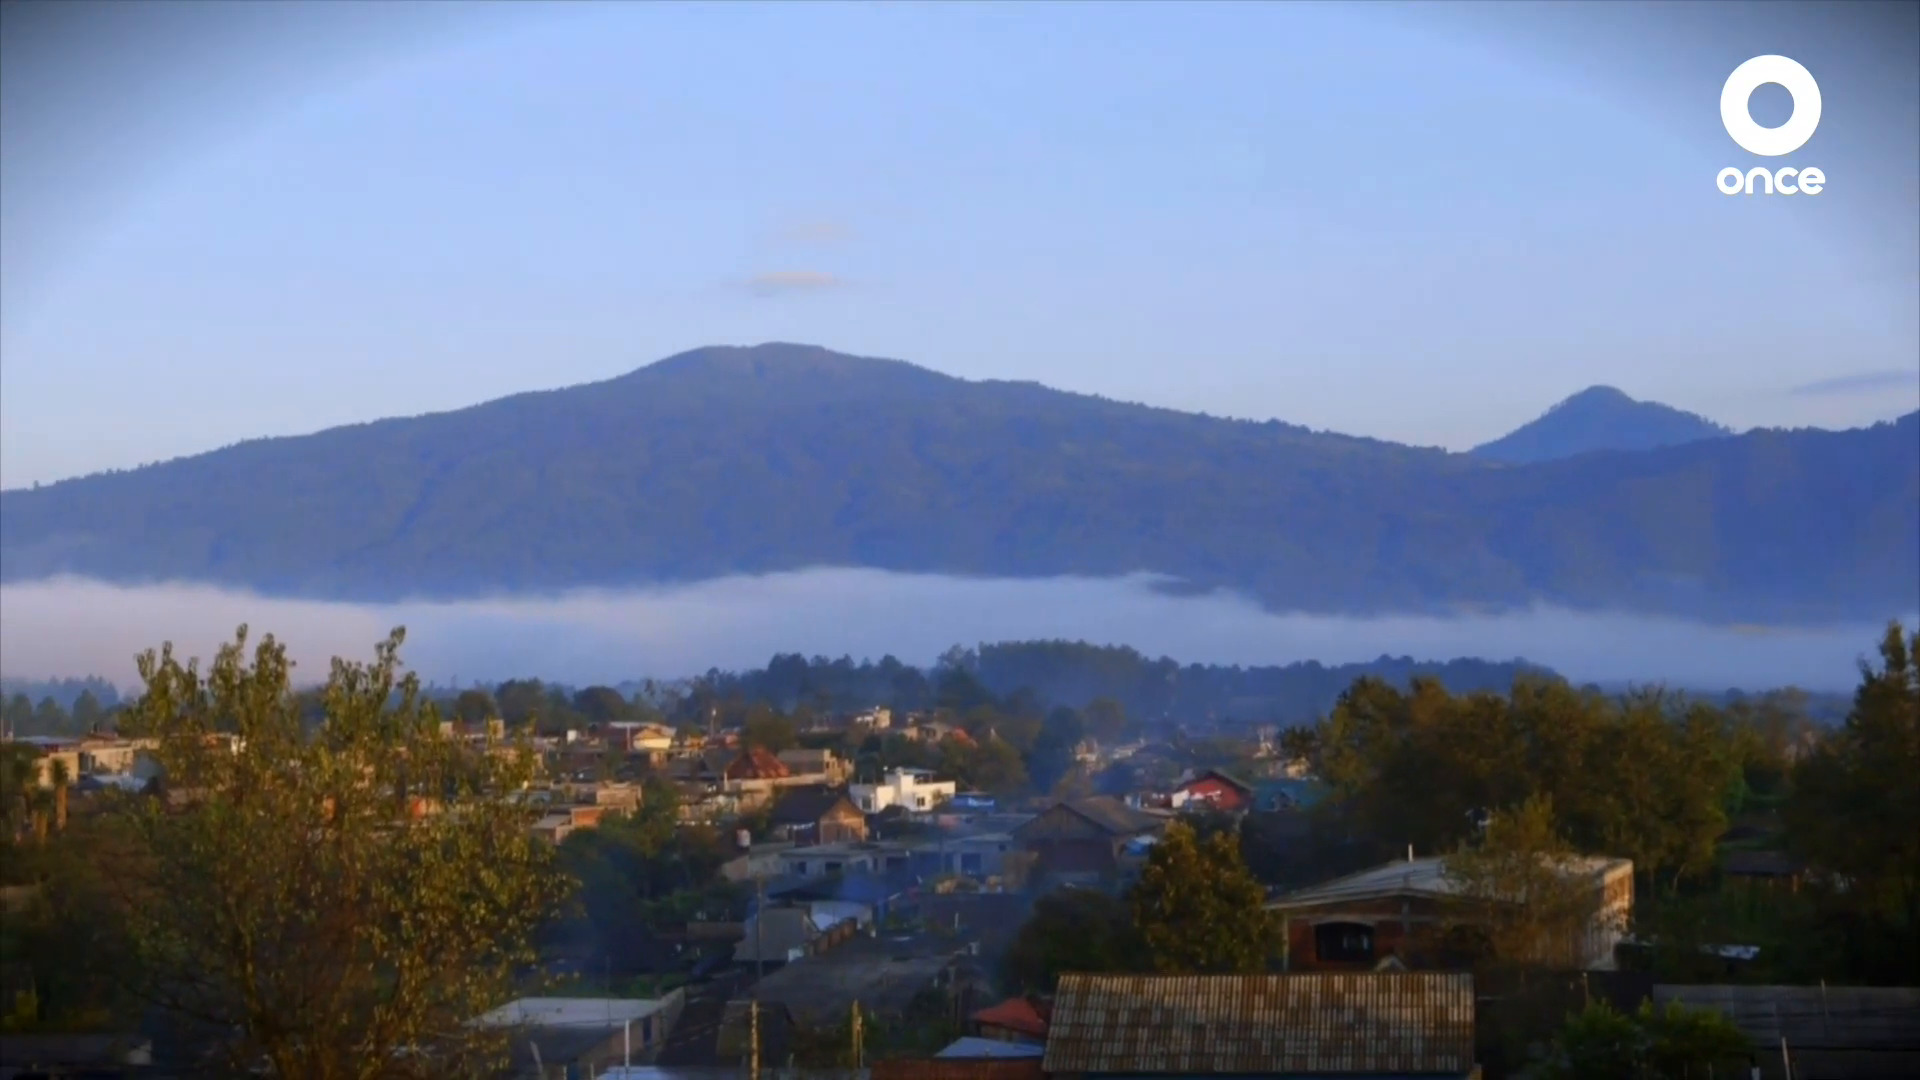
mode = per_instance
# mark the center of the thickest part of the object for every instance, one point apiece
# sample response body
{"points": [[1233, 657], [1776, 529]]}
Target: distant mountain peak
{"points": [[1599, 418]]}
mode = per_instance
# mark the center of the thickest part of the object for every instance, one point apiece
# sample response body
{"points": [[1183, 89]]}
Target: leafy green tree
{"points": [[1199, 911], [475, 706], [1519, 896], [1672, 1043], [1855, 805], [1597, 1043], [88, 713], [521, 701], [49, 718], [1071, 930], [770, 730], [601, 705], [328, 903], [18, 715]]}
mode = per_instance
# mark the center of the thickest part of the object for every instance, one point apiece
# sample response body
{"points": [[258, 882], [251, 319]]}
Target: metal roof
{"points": [[1812, 1017], [1371, 1022], [1419, 877]]}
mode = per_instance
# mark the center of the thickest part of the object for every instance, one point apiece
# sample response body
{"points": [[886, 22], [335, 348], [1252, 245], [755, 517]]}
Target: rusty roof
{"points": [[1374, 1022]]}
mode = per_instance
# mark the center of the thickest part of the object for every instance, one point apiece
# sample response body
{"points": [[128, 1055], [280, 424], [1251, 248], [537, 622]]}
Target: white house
{"points": [[913, 789]]}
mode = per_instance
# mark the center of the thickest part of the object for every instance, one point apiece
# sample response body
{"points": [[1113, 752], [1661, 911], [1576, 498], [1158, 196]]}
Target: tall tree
{"points": [[1855, 806], [291, 898], [1199, 911]]}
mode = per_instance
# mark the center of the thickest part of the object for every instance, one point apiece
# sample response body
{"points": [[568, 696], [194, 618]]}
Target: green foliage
{"points": [[290, 895], [742, 460], [1644, 777], [1674, 1043], [1071, 930], [1198, 909], [1518, 895], [1855, 806]]}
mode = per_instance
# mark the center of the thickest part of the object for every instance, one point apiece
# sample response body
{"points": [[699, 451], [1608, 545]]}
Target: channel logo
{"points": [[1770, 142]]}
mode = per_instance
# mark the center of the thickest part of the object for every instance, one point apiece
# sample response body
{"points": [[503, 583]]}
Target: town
{"points": [[689, 881]]}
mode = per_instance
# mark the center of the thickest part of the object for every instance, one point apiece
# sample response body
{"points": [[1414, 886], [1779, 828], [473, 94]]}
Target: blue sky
{"points": [[1424, 223]]}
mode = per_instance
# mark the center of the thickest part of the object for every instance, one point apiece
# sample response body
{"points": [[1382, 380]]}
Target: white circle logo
{"points": [[1750, 76]]}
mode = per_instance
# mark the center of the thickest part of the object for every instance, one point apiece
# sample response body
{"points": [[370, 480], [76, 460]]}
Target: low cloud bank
{"points": [[72, 627]]}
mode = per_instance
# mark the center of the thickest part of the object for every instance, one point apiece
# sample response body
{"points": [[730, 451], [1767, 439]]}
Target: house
{"points": [[1408, 910], [581, 1035], [1081, 841], [1766, 869], [914, 789], [1383, 1026], [755, 763], [654, 741], [883, 974], [1213, 789], [817, 815], [816, 766], [1015, 1020], [554, 827], [777, 935], [757, 862]]}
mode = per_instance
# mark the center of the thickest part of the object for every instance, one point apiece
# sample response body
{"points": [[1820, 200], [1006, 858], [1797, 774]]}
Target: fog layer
{"points": [[70, 627]]}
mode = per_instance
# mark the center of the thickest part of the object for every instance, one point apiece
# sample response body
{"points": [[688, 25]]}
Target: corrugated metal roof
{"points": [[1309, 1023], [1828, 1017], [1419, 877]]}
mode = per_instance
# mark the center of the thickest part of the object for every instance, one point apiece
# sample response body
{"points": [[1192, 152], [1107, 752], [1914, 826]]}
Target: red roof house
{"points": [[1016, 1019], [757, 764]]}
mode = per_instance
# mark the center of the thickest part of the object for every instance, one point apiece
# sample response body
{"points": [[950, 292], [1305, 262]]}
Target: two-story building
{"points": [[1083, 841], [914, 790]]}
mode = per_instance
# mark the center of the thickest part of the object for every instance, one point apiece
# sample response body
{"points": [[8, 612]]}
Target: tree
{"points": [[601, 705], [87, 711], [475, 706], [18, 715], [1106, 720], [1672, 1043], [1081, 930], [59, 778], [1519, 893], [1199, 911], [291, 899], [1855, 804], [521, 701], [769, 730]]}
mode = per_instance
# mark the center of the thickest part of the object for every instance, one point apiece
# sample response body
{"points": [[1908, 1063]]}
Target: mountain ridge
{"points": [[778, 457]]}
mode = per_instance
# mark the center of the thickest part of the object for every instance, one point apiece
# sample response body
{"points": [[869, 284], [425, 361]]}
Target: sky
{"points": [[1418, 222]]}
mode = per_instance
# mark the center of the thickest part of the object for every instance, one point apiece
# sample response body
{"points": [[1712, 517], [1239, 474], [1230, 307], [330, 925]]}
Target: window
{"points": [[1343, 942]]}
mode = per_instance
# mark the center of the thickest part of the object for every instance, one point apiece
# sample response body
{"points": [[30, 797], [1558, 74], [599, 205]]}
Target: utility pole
{"points": [[753, 1039]]}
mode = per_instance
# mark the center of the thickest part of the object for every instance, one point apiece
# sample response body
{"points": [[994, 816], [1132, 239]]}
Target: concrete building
{"points": [[912, 789]]}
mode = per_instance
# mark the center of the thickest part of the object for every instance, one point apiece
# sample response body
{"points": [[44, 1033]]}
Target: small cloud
{"points": [[1863, 382], [783, 282], [814, 234]]}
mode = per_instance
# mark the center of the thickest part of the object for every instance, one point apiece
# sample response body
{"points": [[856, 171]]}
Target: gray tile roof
{"points": [[1310, 1023]]}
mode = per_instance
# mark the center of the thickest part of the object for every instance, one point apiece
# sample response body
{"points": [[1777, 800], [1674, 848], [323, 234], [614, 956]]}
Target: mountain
{"points": [[779, 457], [1598, 418]]}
